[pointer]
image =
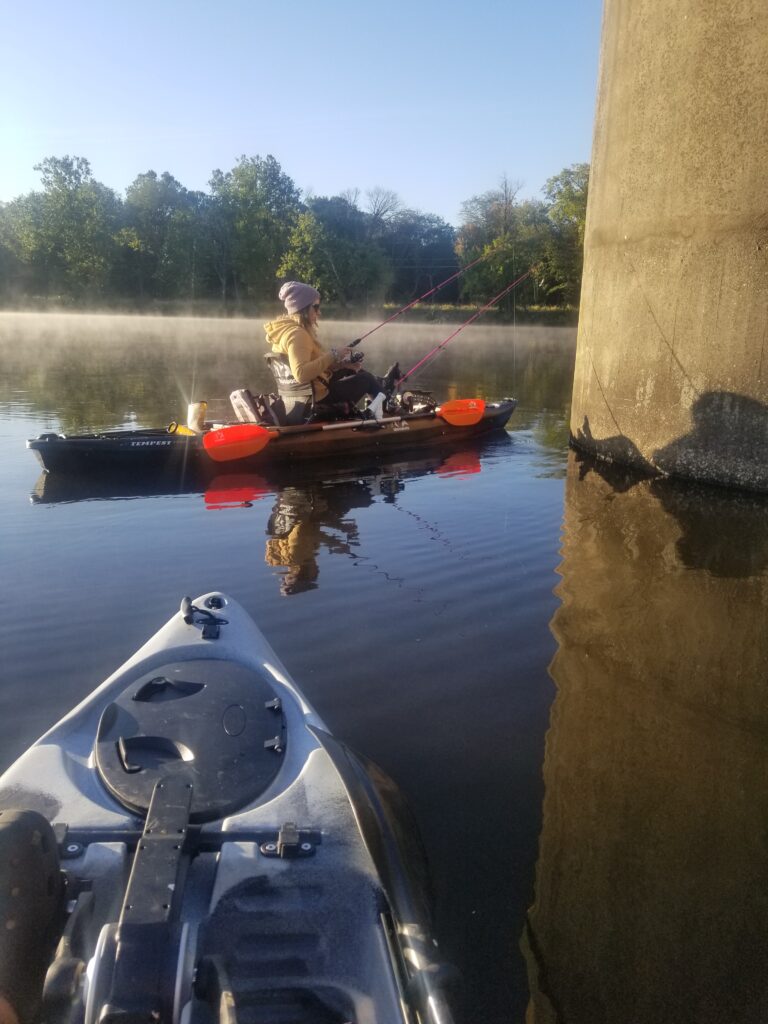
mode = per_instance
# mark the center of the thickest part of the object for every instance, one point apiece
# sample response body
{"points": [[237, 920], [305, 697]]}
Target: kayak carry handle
{"points": [[208, 620]]}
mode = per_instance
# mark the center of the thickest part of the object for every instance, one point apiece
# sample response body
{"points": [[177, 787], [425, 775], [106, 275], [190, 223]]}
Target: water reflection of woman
{"points": [[302, 521], [335, 378]]}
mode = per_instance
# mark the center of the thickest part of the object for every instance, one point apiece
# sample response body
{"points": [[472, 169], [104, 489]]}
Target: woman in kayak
{"points": [[334, 377]]}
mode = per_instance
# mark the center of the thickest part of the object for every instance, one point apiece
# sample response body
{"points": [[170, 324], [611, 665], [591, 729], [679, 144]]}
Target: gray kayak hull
{"points": [[226, 857]]}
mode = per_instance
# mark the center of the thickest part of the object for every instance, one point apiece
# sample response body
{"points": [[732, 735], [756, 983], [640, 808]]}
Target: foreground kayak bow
{"points": [[226, 858]]}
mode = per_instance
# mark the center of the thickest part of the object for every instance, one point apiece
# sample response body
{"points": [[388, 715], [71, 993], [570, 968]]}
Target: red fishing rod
{"points": [[433, 353], [421, 298]]}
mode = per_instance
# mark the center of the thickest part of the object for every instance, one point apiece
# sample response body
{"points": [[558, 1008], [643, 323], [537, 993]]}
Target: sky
{"points": [[434, 101]]}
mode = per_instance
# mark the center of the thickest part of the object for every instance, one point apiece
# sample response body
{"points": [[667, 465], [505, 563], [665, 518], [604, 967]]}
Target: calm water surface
{"points": [[596, 832]]}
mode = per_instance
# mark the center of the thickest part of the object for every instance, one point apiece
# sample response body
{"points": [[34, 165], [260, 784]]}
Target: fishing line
{"points": [[514, 340], [433, 353], [421, 298]]}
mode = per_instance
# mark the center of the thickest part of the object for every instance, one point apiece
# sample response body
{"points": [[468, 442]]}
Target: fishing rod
{"points": [[433, 353], [421, 298]]}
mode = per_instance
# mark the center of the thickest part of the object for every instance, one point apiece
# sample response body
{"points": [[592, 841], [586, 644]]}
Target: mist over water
{"points": [[102, 371], [562, 665]]}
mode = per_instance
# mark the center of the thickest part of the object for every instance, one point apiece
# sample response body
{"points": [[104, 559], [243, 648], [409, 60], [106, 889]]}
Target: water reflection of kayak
{"points": [[224, 488], [225, 857], [159, 450]]}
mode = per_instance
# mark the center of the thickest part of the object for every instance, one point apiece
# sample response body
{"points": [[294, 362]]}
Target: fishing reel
{"points": [[417, 401]]}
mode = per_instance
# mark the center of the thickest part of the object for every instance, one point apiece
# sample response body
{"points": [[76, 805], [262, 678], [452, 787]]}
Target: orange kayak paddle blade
{"points": [[237, 441], [462, 412]]}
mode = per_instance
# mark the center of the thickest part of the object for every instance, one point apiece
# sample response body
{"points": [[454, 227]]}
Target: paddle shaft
{"points": [[243, 440], [307, 428]]}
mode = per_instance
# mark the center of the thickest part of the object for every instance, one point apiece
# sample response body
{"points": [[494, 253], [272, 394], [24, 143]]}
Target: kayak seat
{"points": [[31, 907], [298, 399], [267, 410], [300, 404]]}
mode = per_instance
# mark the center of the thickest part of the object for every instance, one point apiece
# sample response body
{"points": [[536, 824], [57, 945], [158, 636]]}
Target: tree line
{"points": [[77, 242]]}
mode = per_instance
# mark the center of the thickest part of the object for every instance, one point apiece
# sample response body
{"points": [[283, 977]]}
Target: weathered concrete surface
{"points": [[652, 878], [672, 356]]}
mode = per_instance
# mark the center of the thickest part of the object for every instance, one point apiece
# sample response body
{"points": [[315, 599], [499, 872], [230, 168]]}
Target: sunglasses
{"points": [[316, 306]]}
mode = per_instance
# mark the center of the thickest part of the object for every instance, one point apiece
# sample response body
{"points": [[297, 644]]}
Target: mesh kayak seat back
{"points": [[268, 410], [299, 399]]}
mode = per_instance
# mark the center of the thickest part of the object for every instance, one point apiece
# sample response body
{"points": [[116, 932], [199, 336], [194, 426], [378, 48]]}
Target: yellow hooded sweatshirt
{"points": [[309, 361]]}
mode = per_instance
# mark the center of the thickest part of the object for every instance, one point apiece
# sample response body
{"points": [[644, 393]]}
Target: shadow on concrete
{"points": [[724, 530], [727, 444], [614, 452], [616, 459]]}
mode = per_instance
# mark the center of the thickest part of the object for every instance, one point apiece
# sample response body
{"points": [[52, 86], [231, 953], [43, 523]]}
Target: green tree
{"points": [[17, 277], [566, 194], [341, 217], [76, 234], [255, 206], [66, 233], [308, 256], [383, 207], [328, 248], [359, 269], [420, 249], [162, 230], [510, 235]]}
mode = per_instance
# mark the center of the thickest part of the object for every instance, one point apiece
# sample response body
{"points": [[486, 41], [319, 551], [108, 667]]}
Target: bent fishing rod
{"points": [[433, 353], [426, 295]]}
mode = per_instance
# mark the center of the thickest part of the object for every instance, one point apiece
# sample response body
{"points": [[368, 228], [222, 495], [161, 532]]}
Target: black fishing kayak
{"points": [[159, 450], [190, 844]]}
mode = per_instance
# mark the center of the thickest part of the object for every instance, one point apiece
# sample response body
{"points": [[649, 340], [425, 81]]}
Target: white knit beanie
{"points": [[296, 295]]}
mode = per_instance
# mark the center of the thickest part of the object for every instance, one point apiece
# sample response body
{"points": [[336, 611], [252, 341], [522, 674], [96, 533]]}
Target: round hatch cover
{"points": [[207, 721]]}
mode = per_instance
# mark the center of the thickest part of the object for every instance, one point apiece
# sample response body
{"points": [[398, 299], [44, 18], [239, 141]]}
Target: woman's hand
{"points": [[343, 357]]}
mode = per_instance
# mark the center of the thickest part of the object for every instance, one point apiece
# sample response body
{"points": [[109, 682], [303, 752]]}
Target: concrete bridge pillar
{"points": [[672, 356]]}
